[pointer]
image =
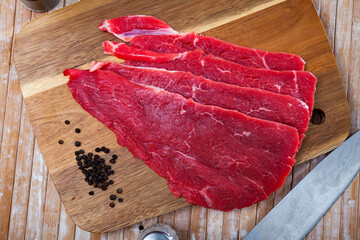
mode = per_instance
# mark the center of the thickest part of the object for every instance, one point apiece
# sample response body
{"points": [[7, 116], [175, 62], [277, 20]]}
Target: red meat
{"points": [[159, 40], [129, 26], [298, 84], [215, 158], [250, 101]]}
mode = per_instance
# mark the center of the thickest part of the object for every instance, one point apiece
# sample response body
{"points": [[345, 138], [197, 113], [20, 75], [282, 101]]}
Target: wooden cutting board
{"points": [[69, 38]]}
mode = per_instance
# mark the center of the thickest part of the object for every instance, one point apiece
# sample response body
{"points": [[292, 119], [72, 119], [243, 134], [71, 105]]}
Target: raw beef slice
{"points": [[298, 84], [213, 157], [250, 101], [129, 26], [167, 40]]}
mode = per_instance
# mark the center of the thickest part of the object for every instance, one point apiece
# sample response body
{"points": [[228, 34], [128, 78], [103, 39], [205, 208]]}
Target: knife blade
{"points": [[303, 207]]}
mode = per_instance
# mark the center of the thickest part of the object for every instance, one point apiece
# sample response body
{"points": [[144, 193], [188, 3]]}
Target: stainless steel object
{"points": [[40, 5], [299, 211], [158, 232]]}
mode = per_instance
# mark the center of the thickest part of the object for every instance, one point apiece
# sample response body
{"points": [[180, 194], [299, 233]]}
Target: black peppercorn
{"points": [[77, 144], [112, 197], [97, 149], [96, 157], [106, 150], [67, 122], [119, 190], [91, 193], [61, 142], [90, 155], [77, 153], [112, 172], [81, 151], [111, 182], [103, 188], [112, 161], [102, 148], [114, 157], [112, 205], [141, 227], [77, 130], [120, 199]]}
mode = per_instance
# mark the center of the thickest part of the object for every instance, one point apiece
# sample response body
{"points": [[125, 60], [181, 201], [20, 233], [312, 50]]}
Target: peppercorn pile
{"points": [[94, 167]]}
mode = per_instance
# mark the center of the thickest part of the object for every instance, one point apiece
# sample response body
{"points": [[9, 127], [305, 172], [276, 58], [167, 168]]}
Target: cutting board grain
{"points": [[69, 38]]}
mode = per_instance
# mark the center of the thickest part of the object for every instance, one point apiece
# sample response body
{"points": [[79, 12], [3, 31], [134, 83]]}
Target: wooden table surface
{"points": [[30, 207]]}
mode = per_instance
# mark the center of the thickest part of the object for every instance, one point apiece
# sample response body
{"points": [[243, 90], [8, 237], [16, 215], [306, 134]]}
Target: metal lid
{"points": [[158, 232]]}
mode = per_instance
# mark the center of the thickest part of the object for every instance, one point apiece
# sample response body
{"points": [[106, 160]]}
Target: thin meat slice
{"points": [[298, 84], [250, 101], [129, 26], [214, 157], [160, 41], [124, 51]]}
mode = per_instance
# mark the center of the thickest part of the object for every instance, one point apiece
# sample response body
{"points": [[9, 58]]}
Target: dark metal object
{"points": [[158, 232], [40, 5]]}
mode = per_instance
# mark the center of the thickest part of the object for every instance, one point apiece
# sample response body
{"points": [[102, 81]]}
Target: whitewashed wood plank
{"points": [[247, 220], [353, 97], [182, 222], [132, 232], [332, 221], [81, 234], [214, 225], [69, 2], [149, 222], [198, 223], [66, 226], [10, 107], [52, 212], [167, 219], [317, 5], [9, 150], [98, 236], [332, 217], [116, 235], [231, 225], [37, 197], [354, 70], [348, 226], [7, 15], [316, 232], [348, 221], [284, 189], [104, 236], [299, 172], [264, 207], [328, 19], [343, 39], [21, 187]]}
